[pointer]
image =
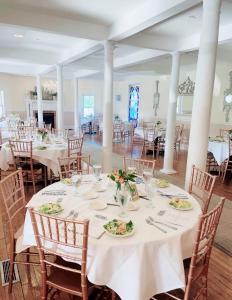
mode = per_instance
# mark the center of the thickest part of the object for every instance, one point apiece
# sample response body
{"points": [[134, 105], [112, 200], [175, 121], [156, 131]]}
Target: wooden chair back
{"points": [[13, 196], [75, 146], [206, 231], [60, 232], [201, 185], [139, 164], [79, 164], [149, 125], [21, 152]]}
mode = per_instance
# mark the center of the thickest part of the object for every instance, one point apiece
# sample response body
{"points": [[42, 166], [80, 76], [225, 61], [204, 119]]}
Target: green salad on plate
{"points": [[119, 228], [50, 208], [180, 204]]}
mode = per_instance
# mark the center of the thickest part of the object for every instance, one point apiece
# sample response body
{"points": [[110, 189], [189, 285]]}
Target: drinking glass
{"points": [[97, 171], [76, 180], [123, 196], [131, 169], [150, 191], [147, 176]]}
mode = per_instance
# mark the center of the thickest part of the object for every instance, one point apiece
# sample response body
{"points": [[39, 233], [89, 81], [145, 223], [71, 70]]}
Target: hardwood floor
{"points": [[220, 271]]}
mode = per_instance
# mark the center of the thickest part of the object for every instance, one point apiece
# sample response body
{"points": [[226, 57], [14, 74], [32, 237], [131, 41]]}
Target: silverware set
{"points": [[181, 196]]}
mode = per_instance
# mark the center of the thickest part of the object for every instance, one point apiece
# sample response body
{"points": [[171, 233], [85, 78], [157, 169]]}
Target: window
{"points": [[133, 102], [88, 110], [2, 104]]}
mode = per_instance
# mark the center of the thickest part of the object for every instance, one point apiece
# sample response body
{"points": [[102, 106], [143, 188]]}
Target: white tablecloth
{"points": [[48, 157], [139, 266], [220, 151]]}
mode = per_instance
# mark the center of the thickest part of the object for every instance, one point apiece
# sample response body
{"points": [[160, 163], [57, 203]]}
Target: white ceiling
{"points": [[58, 31], [97, 11]]}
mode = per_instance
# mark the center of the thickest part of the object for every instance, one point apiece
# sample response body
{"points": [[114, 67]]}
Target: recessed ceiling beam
{"points": [[148, 15]]}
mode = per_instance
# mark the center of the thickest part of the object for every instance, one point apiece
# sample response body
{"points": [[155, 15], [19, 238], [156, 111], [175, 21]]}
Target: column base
{"points": [[168, 171]]}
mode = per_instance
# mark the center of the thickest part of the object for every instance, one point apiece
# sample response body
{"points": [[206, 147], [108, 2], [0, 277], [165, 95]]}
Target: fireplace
{"points": [[49, 117]]}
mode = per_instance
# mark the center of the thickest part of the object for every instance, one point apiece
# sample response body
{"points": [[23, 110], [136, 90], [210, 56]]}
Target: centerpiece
{"points": [[42, 132], [125, 187]]}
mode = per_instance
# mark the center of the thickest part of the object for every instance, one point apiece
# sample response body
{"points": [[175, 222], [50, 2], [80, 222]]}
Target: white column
{"points": [[76, 107], [198, 140], [60, 98], [171, 117], [108, 107], [39, 101]]}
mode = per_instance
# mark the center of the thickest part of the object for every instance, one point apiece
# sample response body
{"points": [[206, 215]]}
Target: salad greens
{"points": [[118, 227]]}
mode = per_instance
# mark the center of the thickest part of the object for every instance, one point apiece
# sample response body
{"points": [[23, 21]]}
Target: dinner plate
{"points": [[179, 208], [90, 195], [97, 205], [118, 235]]}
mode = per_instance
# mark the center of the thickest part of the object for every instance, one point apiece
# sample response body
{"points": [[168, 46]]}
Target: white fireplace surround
{"points": [[32, 106]]}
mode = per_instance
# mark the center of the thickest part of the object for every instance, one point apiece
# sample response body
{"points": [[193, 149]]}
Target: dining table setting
{"points": [[137, 241], [219, 147], [46, 152]]}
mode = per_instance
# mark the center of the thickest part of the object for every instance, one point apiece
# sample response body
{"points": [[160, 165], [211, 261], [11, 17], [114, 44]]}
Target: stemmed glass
{"points": [[97, 172], [123, 197], [76, 180], [149, 189]]}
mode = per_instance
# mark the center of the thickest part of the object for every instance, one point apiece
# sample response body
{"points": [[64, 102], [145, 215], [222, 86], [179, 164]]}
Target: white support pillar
{"points": [[60, 98], [39, 101], [76, 107], [171, 117], [108, 107], [201, 112]]}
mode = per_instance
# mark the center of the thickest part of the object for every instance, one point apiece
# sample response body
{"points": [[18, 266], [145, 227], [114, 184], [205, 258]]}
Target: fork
{"points": [[151, 223], [161, 223]]}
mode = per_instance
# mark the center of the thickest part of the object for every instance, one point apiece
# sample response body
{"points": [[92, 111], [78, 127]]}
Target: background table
{"points": [[47, 157], [139, 266], [220, 151]]}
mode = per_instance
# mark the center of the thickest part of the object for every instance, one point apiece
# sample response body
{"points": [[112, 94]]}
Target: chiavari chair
{"points": [[75, 146], [137, 146], [139, 164], [118, 131], [73, 234], [197, 275], [149, 125], [60, 133], [201, 186], [23, 158], [14, 202], [79, 164], [149, 141], [227, 164]]}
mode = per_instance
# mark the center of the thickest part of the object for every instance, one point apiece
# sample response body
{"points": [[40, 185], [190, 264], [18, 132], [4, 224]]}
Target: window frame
{"points": [[83, 105]]}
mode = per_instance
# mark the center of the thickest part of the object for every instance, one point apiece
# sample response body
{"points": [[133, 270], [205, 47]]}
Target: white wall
{"points": [[16, 87]]}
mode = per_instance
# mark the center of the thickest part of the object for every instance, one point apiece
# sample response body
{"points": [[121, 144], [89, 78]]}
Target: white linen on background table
{"points": [[220, 151], [47, 157], [139, 266]]}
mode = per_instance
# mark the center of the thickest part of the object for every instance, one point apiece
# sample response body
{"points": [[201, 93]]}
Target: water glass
{"points": [[150, 191], [147, 176], [123, 197], [97, 171], [131, 169], [76, 181]]}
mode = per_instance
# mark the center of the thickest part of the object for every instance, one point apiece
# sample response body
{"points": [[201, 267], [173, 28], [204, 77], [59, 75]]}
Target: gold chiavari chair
{"points": [[201, 186], [149, 125], [75, 146], [118, 131], [139, 164], [23, 158], [79, 164], [227, 164], [137, 146], [14, 202], [63, 276], [149, 141], [197, 275], [60, 133]]}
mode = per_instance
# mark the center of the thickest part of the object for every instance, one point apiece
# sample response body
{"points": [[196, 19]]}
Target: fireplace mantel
{"points": [[31, 105]]}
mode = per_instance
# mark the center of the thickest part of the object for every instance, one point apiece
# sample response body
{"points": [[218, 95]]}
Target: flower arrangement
{"points": [[121, 177], [43, 132]]}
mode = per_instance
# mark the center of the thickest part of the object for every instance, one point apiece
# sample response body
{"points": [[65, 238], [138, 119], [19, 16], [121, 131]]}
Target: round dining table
{"points": [[46, 154], [136, 267]]}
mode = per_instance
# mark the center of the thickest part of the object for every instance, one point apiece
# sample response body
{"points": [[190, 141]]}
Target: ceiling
{"points": [[37, 35]]}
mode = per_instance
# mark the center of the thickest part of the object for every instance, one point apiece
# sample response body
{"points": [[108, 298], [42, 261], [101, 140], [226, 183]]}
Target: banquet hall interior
{"points": [[116, 149]]}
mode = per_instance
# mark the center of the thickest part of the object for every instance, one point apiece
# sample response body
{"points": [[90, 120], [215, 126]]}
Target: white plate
{"points": [[90, 195], [132, 206], [97, 205], [119, 236]]}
